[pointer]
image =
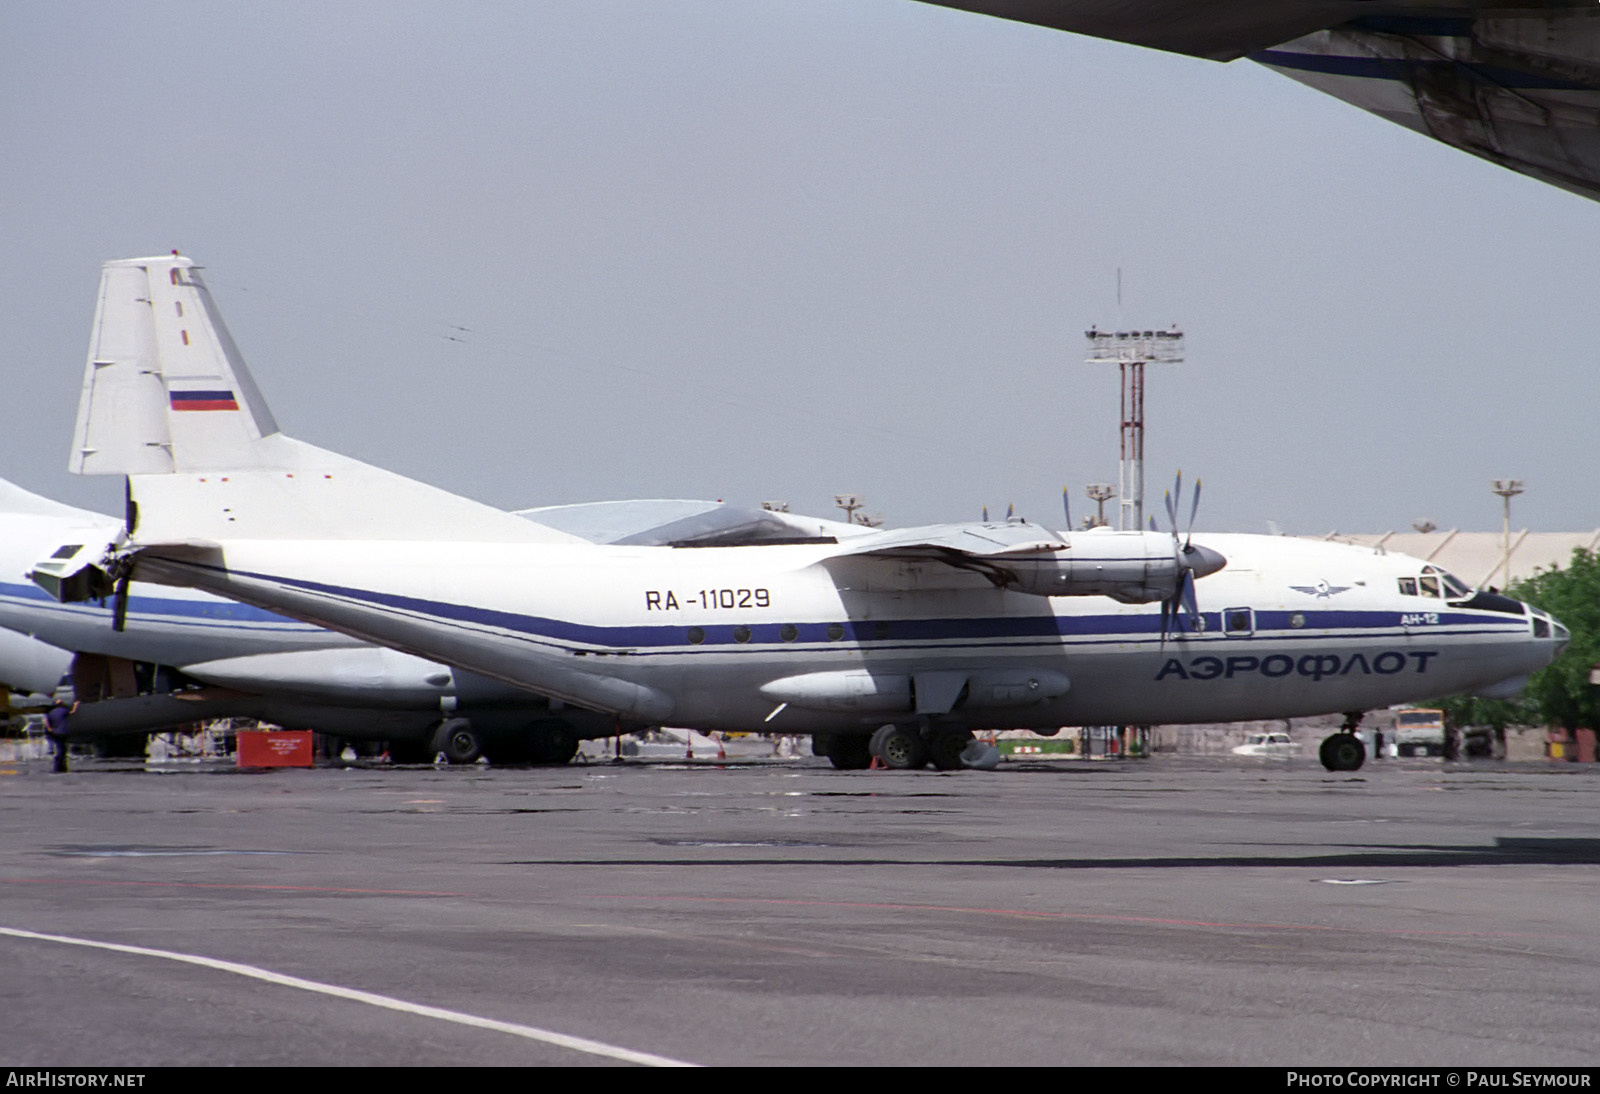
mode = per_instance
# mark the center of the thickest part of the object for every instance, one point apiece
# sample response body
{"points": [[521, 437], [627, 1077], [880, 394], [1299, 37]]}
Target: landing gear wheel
{"points": [[899, 747], [552, 741], [945, 748], [502, 751], [410, 752], [459, 742], [1342, 752], [846, 751]]}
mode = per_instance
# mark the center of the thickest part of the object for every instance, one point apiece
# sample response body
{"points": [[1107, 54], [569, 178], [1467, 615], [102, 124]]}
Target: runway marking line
{"points": [[1024, 913], [387, 1002], [221, 885]]}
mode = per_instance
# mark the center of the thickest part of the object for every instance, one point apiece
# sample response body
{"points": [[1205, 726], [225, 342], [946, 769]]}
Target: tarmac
{"points": [[1170, 911]]}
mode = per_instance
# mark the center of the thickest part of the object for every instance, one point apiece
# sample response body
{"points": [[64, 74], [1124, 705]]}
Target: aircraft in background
{"points": [[886, 643], [1512, 81], [181, 656]]}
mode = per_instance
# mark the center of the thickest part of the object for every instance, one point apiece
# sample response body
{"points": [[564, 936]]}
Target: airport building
{"points": [[1478, 558]]}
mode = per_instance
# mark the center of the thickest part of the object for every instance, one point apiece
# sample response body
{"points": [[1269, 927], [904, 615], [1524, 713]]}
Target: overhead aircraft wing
{"points": [[1219, 31], [1515, 82]]}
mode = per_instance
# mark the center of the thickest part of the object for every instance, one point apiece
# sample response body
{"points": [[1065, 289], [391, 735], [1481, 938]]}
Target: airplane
{"points": [[891, 644], [181, 656], [1516, 82]]}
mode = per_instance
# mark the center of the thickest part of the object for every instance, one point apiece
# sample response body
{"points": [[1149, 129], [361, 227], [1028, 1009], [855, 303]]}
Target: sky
{"points": [[545, 252]]}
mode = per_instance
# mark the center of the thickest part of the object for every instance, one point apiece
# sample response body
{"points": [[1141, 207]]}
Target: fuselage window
{"points": [[835, 631], [741, 634], [1237, 621], [696, 636], [790, 632]]}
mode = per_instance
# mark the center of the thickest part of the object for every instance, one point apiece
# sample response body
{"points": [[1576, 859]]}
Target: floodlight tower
{"points": [[1507, 489], [1100, 493], [1132, 350]]}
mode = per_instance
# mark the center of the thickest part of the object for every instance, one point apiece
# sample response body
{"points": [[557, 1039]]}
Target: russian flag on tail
{"points": [[203, 400]]}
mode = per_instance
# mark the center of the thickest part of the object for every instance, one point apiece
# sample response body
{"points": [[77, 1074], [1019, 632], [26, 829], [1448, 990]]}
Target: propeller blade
{"points": [[119, 605], [1153, 527], [1010, 511], [1193, 509], [986, 514], [1190, 605], [1066, 507]]}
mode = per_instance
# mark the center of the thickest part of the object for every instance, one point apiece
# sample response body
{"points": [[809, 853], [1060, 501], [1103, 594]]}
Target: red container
{"points": [[274, 748]]}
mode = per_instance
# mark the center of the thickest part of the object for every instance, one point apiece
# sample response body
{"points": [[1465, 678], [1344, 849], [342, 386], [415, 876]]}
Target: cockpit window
{"points": [[1429, 585], [1455, 587], [1408, 586]]}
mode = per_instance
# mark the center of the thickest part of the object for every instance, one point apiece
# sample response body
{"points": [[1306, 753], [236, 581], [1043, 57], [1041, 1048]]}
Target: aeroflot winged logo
{"points": [[1321, 590], [203, 400]]}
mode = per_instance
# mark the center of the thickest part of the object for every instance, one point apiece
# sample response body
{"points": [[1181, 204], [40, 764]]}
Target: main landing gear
{"points": [[902, 748], [547, 741], [1343, 751]]}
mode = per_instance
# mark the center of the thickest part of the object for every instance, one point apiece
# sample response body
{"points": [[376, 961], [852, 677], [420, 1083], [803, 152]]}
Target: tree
{"points": [[1561, 693]]}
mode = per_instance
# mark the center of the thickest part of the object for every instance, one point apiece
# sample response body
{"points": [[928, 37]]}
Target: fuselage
{"points": [[715, 638]]}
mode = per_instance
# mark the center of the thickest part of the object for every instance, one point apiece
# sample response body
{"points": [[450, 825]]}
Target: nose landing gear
{"points": [[1343, 751]]}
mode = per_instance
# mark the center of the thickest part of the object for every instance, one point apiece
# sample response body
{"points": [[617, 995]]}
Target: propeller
{"points": [[1190, 558], [119, 597]]}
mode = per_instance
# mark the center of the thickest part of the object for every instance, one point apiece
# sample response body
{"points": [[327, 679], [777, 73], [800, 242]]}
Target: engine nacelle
{"points": [[1133, 567]]}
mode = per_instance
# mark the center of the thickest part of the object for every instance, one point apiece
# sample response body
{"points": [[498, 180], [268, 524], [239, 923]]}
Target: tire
{"points": [[459, 742], [900, 748], [945, 748], [1342, 752], [125, 746], [503, 751], [551, 741], [410, 752], [848, 751]]}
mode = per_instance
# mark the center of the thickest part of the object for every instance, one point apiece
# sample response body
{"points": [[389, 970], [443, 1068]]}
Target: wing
{"points": [[1515, 82], [666, 522]]}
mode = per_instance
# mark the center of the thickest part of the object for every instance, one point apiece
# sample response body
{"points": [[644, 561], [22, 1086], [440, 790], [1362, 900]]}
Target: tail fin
{"points": [[165, 388], [167, 401]]}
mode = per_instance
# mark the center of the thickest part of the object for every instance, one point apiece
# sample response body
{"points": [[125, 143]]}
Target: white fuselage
{"points": [[692, 636]]}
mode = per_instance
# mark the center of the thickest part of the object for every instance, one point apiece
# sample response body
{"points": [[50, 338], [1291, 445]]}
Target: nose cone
{"points": [[1203, 561]]}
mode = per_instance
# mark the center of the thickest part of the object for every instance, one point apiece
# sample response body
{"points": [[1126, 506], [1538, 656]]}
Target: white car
{"points": [[1267, 744]]}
